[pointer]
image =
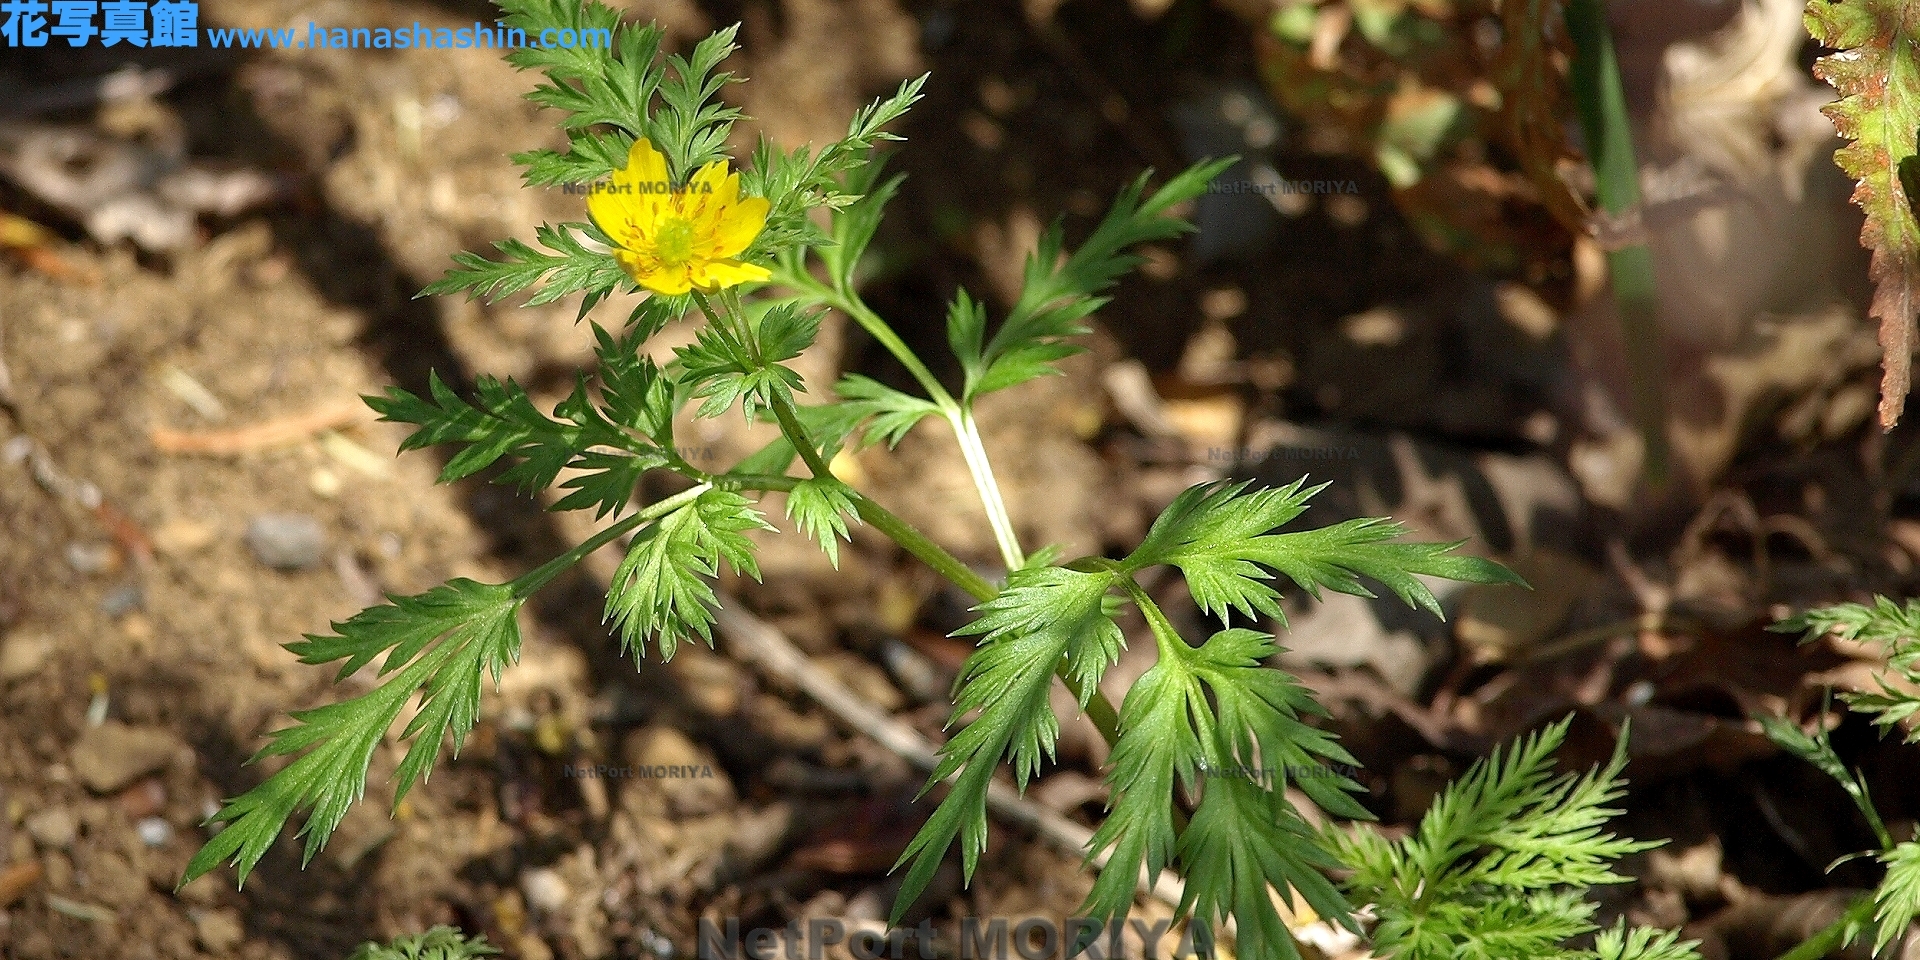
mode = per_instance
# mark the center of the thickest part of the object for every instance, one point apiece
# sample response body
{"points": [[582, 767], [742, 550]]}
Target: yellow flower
{"points": [[672, 238]]}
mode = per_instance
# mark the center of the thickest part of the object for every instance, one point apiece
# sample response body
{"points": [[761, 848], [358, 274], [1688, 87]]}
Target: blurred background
{"points": [[207, 255]]}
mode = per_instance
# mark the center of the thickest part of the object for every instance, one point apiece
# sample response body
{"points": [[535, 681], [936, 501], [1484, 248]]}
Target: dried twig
{"points": [[764, 647], [256, 436]]}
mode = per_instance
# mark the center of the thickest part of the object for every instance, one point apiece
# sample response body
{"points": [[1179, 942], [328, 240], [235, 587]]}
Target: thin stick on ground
{"points": [[272, 433], [767, 650]]}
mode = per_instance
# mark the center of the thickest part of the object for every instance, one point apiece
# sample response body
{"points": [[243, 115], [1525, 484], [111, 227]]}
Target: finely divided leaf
{"points": [[1877, 72], [1245, 759], [1642, 943], [1898, 898], [1243, 841], [821, 506], [505, 423], [439, 943], [840, 174], [438, 644], [1500, 863], [893, 412], [693, 126], [1059, 294], [572, 268], [661, 587], [722, 369], [1046, 617], [1217, 535], [1161, 722]]}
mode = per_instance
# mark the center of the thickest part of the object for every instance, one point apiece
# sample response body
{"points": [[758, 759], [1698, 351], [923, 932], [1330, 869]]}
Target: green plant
{"points": [[696, 236], [1501, 863], [1895, 630], [439, 943]]}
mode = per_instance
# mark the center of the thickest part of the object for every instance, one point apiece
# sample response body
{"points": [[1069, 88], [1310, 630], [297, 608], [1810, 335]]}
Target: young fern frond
{"points": [[439, 943], [1895, 629], [1500, 863]]}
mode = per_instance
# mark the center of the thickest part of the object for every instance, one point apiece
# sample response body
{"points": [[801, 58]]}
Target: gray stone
{"points": [[112, 755], [546, 891], [54, 829], [286, 541], [122, 600], [23, 654], [154, 831]]}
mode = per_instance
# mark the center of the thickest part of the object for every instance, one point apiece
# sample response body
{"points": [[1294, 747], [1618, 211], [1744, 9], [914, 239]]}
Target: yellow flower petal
{"points": [[667, 278], [714, 274], [735, 228], [671, 241]]}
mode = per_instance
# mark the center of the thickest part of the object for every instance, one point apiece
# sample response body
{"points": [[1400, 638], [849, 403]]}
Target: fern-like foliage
{"points": [[821, 506], [439, 943], [1213, 707], [611, 443], [723, 368], [1059, 293], [1895, 629], [1046, 616], [1877, 71], [1499, 865], [1219, 535], [437, 645], [661, 588]]}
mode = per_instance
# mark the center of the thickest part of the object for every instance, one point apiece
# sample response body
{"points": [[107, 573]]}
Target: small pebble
{"points": [[122, 600], [23, 654], [55, 829], [110, 757], [218, 930], [155, 831], [286, 541], [90, 557], [144, 799], [182, 536], [546, 891], [324, 483]]}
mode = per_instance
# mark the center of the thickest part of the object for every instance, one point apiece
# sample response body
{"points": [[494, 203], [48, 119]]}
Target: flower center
{"points": [[673, 240]]}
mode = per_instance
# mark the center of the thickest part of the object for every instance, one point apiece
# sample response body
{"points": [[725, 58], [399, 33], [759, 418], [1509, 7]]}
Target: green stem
{"points": [[782, 405], [1099, 709], [850, 303], [1828, 940], [1168, 640], [525, 585], [975, 452], [928, 552], [1602, 102], [957, 414]]}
